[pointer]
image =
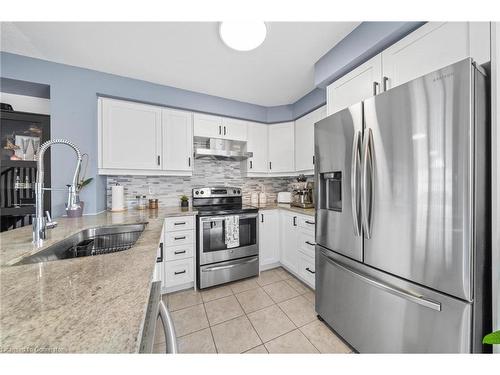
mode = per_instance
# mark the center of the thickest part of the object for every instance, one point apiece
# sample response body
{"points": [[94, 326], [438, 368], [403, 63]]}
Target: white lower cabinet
{"points": [[178, 241], [307, 269], [289, 255], [179, 272], [269, 243], [296, 244]]}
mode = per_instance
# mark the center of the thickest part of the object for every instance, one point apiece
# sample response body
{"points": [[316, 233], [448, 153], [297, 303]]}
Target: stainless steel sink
{"points": [[90, 242]]}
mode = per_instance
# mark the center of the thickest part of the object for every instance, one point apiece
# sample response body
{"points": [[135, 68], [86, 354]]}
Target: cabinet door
{"points": [[257, 143], [269, 226], [234, 129], [357, 85], [131, 135], [304, 140], [434, 46], [289, 254], [207, 126], [177, 128], [281, 148]]}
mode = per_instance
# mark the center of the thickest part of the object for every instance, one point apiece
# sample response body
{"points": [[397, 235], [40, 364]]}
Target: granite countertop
{"points": [[286, 206], [91, 304]]}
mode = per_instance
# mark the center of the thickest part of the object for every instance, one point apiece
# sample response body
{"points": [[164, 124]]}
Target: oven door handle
{"points": [[232, 265], [223, 217]]}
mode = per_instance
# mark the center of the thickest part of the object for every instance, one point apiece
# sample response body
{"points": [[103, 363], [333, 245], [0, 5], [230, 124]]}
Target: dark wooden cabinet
{"points": [[21, 134]]}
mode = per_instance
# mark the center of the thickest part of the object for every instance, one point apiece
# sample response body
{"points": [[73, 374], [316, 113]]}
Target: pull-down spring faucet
{"points": [[40, 223]]}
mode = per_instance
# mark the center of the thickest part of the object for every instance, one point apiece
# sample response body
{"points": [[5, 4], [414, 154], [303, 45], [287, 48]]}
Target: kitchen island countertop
{"points": [[83, 305]]}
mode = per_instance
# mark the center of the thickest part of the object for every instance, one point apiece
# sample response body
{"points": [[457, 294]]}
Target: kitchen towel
{"points": [[232, 228], [117, 198]]}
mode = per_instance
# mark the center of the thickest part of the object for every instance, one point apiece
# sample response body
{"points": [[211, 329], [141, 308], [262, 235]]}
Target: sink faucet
{"points": [[40, 223]]}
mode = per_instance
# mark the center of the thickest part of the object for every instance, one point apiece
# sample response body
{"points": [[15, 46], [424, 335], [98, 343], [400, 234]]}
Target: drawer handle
{"points": [[180, 223], [180, 252], [179, 272], [180, 238], [309, 270], [310, 243], [310, 222]]}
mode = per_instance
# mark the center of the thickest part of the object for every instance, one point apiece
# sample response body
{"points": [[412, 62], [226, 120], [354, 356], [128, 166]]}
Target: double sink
{"points": [[90, 242]]}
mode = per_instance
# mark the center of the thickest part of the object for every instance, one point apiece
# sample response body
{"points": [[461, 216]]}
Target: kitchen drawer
{"points": [[306, 222], [179, 252], [307, 269], [306, 243], [179, 272], [182, 237], [179, 223]]}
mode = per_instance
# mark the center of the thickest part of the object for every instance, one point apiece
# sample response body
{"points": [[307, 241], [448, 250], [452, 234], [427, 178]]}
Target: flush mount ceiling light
{"points": [[242, 36]]}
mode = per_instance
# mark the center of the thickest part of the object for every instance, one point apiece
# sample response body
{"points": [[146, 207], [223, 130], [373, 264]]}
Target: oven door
{"points": [[211, 239]]}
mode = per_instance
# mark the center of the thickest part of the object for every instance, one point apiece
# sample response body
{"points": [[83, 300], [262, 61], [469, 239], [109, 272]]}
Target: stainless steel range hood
{"points": [[221, 149]]}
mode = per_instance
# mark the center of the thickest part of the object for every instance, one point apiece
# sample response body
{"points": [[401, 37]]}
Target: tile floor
{"points": [[272, 313]]}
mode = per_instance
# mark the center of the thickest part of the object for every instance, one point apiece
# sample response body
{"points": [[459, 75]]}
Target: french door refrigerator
{"points": [[402, 216]]}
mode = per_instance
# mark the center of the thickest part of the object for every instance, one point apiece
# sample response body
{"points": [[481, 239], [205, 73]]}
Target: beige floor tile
{"points": [[244, 285], [282, 273], [181, 300], [323, 338], [254, 299], [223, 309], [299, 310], [280, 291], [197, 342], [261, 349], [292, 342], [189, 320], [159, 332], [235, 336], [216, 293], [297, 285], [159, 348], [310, 296], [268, 277], [270, 323]]}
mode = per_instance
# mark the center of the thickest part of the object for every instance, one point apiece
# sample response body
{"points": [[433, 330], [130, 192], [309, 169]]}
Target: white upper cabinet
{"points": [[177, 140], [234, 129], [141, 139], [281, 148], [304, 140], [357, 85], [219, 127], [257, 144], [434, 46], [207, 126], [130, 136]]}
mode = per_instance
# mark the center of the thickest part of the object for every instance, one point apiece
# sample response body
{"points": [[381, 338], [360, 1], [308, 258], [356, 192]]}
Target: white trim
{"points": [[24, 103], [141, 172], [495, 175]]}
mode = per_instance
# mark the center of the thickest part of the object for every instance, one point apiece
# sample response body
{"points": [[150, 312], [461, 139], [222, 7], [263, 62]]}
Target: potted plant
{"points": [[492, 338], [184, 201], [82, 181]]}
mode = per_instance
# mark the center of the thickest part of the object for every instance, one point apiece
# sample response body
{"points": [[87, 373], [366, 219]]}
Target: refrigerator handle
{"points": [[367, 166], [355, 162], [405, 294]]}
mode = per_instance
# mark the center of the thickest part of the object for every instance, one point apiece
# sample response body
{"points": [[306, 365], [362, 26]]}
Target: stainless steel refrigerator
{"points": [[402, 233]]}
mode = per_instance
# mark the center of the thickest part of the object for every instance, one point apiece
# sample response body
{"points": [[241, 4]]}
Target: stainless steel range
{"points": [[227, 236]]}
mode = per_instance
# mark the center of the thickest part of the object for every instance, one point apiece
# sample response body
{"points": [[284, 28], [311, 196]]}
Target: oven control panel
{"points": [[217, 192]]}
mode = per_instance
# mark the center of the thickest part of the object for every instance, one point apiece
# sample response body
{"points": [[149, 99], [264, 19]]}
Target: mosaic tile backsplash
{"points": [[168, 189]]}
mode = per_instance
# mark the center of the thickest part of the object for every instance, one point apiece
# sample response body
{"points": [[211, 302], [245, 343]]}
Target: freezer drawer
{"points": [[379, 313]]}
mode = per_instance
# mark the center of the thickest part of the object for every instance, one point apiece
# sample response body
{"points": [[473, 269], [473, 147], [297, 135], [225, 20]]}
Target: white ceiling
{"points": [[187, 55]]}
